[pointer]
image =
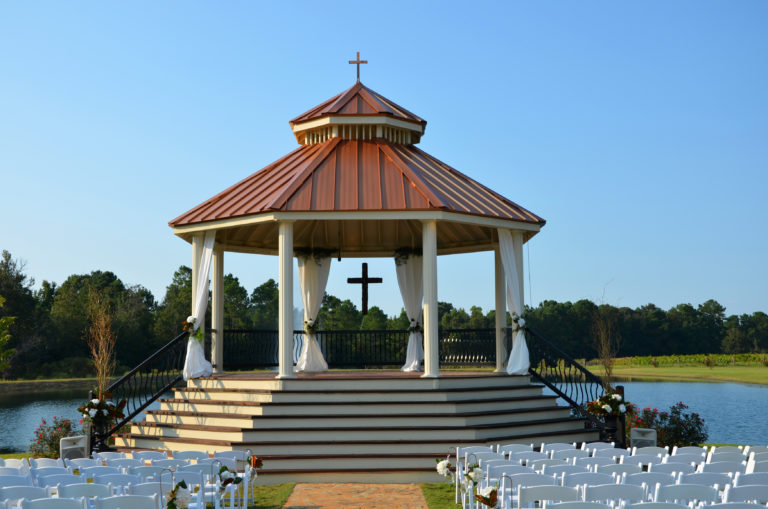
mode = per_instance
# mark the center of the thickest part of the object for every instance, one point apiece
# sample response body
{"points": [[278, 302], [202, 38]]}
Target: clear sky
{"points": [[638, 130]]}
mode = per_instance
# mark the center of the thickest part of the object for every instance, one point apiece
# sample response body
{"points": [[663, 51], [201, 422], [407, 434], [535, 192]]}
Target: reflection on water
{"points": [[21, 414]]}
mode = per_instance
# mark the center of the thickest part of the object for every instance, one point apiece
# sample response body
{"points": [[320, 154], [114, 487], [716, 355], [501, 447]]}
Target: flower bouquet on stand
{"points": [[488, 496], [612, 407], [179, 497]]}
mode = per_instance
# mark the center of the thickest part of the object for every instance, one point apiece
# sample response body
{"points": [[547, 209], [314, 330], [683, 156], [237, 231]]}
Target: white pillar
{"points": [[517, 242], [197, 253], [429, 259], [285, 287], [217, 312], [501, 310]]}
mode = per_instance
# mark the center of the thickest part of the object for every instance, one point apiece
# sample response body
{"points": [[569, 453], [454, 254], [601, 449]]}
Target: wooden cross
{"points": [[358, 62], [365, 281]]}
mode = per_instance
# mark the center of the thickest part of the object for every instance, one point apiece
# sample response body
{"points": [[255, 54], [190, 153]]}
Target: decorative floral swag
{"points": [[189, 326]]}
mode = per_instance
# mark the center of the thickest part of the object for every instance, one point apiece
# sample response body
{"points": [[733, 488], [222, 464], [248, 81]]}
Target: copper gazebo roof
{"points": [[359, 184]]}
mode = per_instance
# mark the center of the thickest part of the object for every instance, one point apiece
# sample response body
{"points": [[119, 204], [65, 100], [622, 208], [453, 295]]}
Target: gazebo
{"points": [[358, 186]]}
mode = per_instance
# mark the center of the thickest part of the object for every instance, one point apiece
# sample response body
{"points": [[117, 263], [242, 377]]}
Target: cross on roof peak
{"points": [[357, 61]]}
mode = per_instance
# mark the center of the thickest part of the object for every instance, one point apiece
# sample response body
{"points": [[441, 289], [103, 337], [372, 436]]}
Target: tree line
{"points": [[42, 331]]}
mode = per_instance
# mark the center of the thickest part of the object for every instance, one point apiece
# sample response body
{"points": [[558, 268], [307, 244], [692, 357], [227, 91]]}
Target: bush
{"points": [[45, 443], [673, 427]]}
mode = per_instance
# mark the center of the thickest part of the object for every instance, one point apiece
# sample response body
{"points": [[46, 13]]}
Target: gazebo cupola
{"points": [[358, 113]]}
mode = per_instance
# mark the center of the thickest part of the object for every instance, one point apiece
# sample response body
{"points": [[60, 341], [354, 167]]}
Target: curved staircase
{"points": [[369, 426]]}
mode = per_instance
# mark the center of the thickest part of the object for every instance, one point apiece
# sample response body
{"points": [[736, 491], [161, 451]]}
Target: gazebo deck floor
{"points": [[360, 374]]}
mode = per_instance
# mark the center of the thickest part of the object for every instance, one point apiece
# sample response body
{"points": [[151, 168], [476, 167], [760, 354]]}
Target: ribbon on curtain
{"points": [[410, 272], [509, 244], [195, 364], [313, 277]]}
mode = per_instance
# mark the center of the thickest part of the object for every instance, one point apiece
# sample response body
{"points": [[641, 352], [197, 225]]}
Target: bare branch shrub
{"points": [[101, 338], [605, 330]]}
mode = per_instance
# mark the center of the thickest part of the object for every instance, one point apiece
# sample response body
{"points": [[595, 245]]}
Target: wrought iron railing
{"points": [[144, 384], [571, 381]]}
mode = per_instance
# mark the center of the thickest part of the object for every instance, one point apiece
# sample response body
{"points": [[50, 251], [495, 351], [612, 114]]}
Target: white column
{"points": [[429, 259], [197, 252], [217, 311], [285, 287], [501, 310], [518, 245]]}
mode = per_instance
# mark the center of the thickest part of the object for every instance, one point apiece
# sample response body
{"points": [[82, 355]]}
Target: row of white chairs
{"points": [[117, 502]]}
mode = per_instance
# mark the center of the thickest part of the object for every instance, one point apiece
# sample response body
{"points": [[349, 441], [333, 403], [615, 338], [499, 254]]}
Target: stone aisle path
{"points": [[356, 496]]}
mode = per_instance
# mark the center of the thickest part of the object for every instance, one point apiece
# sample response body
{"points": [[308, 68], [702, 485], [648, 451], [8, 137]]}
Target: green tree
{"points": [[175, 307], [24, 330], [5, 337], [265, 302], [237, 304], [399, 322], [336, 314], [376, 319]]}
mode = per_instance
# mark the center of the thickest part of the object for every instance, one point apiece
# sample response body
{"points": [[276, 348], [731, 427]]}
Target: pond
{"points": [[21, 414], [733, 413]]}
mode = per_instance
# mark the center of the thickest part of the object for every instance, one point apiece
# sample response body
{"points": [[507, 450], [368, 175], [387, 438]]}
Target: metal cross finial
{"points": [[358, 62]]}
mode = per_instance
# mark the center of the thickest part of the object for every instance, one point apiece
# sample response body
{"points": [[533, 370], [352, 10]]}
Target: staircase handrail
{"points": [[145, 383], [567, 378]]}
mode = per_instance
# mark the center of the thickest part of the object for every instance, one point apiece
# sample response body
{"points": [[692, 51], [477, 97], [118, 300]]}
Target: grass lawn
{"points": [[272, 497], [439, 495], [743, 374]]}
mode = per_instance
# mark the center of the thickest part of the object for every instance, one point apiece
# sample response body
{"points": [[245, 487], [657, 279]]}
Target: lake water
{"points": [[734, 413], [21, 414]]}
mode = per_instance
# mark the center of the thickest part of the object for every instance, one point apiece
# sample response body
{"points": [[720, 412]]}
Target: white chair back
{"points": [[46, 462], [755, 493], [528, 495], [11, 471], [12, 495], [594, 462], [725, 456], [508, 449], [670, 468], [640, 459], [578, 505], [756, 478], [705, 478], [757, 466], [685, 493], [593, 478], [652, 450], [127, 502], [557, 446], [619, 469], [561, 470], [82, 462], [54, 503], [57, 479], [540, 465], [15, 480], [109, 455], [172, 464], [610, 453], [724, 466], [614, 493], [569, 454], [650, 479], [190, 455], [150, 455], [594, 446], [125, 462]]}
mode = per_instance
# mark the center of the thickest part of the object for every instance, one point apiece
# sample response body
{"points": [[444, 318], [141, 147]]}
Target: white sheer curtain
{"points": [[313, 276], [509, 244], [410, 279], [195, 364]]}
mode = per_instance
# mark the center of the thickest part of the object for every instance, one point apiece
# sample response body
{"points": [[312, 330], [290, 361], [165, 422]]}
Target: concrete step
{"points": [[375, 407], [354, 396], [458, 434], [355, 420]]}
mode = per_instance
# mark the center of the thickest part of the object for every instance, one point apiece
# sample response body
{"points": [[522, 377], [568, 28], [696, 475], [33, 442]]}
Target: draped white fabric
{"points": [[509, 244], [410, 280], [313, 277], [195, 364]]}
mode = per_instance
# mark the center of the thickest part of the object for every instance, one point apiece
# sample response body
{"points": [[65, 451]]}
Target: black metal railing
{"points": [[144, 384], [571, 381]]}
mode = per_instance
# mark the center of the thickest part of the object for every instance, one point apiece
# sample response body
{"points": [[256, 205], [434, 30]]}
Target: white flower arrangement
{"points": [[488, 496], [518, 322], [473, 476], [444, 468]]}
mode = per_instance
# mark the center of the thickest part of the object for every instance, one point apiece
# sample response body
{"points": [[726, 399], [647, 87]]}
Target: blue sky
{"points": [[639, 130]]}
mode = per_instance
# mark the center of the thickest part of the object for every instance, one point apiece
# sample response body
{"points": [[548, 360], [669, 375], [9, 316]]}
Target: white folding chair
{"points": [[11, 471], [725, 456], [190, 455], [170, 464], [109, 455], [619, 469], [508, 449], [557, 446], [12, 495], [561, 470], [241, 457], [758, 456], [38, 472], [593, 463], [724, 466], [610, 453], [569, 454], [727, 448], [755, 493], [52, 481], [525, 457], [82, 462], [150, 455], [685, 458], [640, 459], [92, 472], [150, 488], [755, 448], [591, 478], [578, 505], [652, 450], [510, 485], [733, 505], [594, 446], [755, 478], [46, 462], [757, 466], [705, 479], [540, 465], [649, 479], [528, 495], [147, 472], [54, 503], [125, 462], [15, 480], [670, 468], [685, 493], [614, 493], [127, 502], [85, 490], [118, 481], [654, 505], [230, 463], [689, 449]]}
